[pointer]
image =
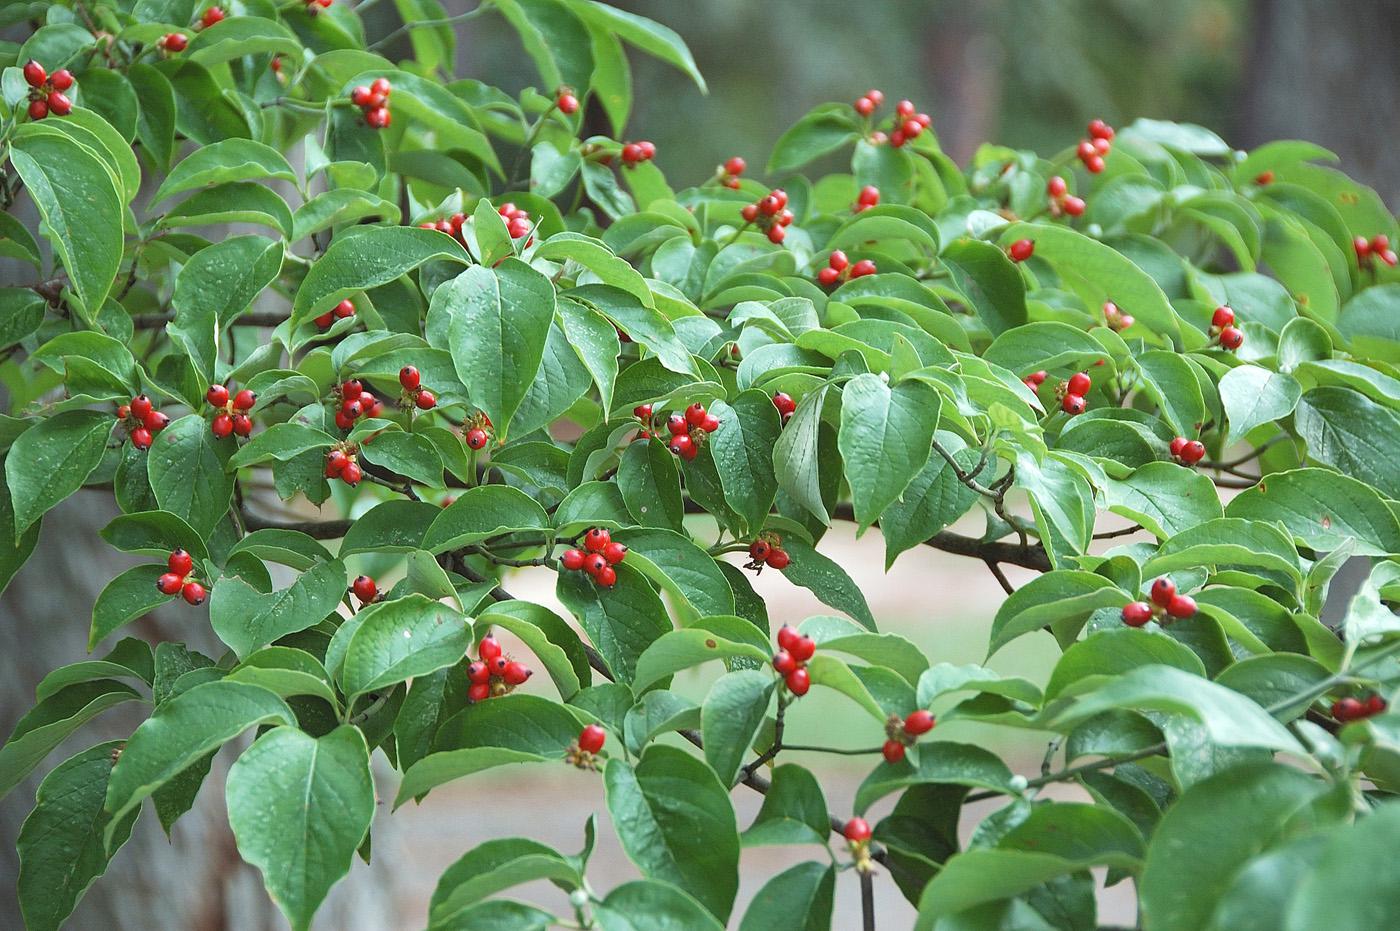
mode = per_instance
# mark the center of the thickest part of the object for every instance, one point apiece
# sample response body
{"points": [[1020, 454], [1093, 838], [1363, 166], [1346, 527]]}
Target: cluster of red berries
{"points": [[598, 556], [566, 101], [46, 91], [1354, 709], [1115, 318], [1021, 249], [517, 220], [1222, 326], [1095, 149], [868, 197], [688, 430], [173, 42], [785, 404], [767, 550], [342, 463], [1187, 452], [634, 153], [907, 124], [728, 173], [373, 100], [494, 674], [794, 650], [586, 748], [1072, 393], [355, 402], [177, 580], [413, 389], [771, 215], [903, 733], [478, 431], [1034, 380], [1061, 200], [1165, 602], [341, 311], [232, 416], [365, 589], [839, 269], [867, 103], [142, 421], [1377, 246]]}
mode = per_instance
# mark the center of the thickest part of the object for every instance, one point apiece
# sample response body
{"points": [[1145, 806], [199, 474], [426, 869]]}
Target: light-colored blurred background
{"points": [[1023, 72]]}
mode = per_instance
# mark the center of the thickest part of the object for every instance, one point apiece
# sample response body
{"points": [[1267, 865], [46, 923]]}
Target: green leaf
{"points": [[154, 533], [678, 565], [799, 898], [645, 905], [1253, 396], [238, 202], [834, 674], [79, 202], [1351, 433], [886, 437], [1064, 598], [183, 730], [408, 454], [400, 639], [797, 455], [280, 442], [49, 722], [490, 868], [1078, 832], [130, 595], [336, 208], [1171, 382], [650, 485], [481, 513], [676, 824], [218, 283], [373, 256], [390, 527], [983, 875], [742, 448], [650, 37], [943, 678], [1323, 510], [825, 129], [593, 255], [247, 619], [51, 460], [61, 847], [940, 762], [236, 36], [1227, 542], [682, 649], [1165, 498], [499, 320], [622, 621], [889, 650], [1336, 894], [527, 723], [731, 716], [794, 811], [826, 579], [641, 322], [990, 282], [1114, 651], [548, 636], [299, 806], [436, 769], [222, 162], [188, 471], [596, 342]]}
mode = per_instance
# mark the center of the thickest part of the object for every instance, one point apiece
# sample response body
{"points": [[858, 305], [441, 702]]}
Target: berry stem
{"points": [[408, 27]]}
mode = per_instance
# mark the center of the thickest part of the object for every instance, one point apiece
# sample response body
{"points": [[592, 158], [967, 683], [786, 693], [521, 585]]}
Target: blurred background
{"points": [[1022, 72]]}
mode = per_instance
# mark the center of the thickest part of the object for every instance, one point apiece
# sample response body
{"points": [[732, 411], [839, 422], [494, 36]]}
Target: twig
{"points": [[406, 28], [1001, 578], [867, 900], [1257, 451]]}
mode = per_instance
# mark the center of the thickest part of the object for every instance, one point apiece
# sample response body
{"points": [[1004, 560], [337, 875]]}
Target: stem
{"points": [[777, 745], [867, 901], [840, 751], [408, 27], [1001, 578], [1258, 451], [964, 476]]}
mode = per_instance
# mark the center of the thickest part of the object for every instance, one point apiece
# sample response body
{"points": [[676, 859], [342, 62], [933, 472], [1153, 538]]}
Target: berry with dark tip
{"points": [[170, 583], [783, 662], [193, 593], [365, 589], [1182, 606], [1137, 614], [799, 681], [180, 562], [919, 722], [1163, 590], [572, 559]]}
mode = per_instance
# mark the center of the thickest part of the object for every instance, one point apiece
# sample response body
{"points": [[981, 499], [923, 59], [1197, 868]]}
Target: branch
{"points": [[260, 319], [1001, 578], [867, 901], [318, 529]]}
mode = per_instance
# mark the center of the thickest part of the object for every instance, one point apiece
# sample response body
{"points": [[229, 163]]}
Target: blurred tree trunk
{"points": [[1328, 73]]}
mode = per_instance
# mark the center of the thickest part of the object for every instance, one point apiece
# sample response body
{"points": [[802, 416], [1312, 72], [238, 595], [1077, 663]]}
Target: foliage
{"points": [[463, 332]]}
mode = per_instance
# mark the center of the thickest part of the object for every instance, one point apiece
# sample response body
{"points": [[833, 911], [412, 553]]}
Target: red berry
{"points": [[477, 438], [749, 212], [1222, 317], [1102, 146], [776, 235], [828, 277], [175, 42], [477, 673], [1079, 383], [568, 104], [904, 108], [155, 421], [1073, 404], [804, 646], [516, 673], [34, 73], [799, 681], [869, 195], [758, 552], [1182, 606], [180, 562], [378, 117], [1177, 445], [1231, 338], [648, 149], [876, 96], [324, 321], [864, 106], [893, 751], [59, 104], [344, 421], [778, 559], [838, 260], [596, 538], [735, 166], [1098, 129], [1137, 614], [897, 138], [489, 649], [193, 593], [170, 583], [920, 722], [857, 830], [217, 395], [1375, 705], [211, 16], [141, 438], [1362, 245], [1056, 186], [614, 552], [591, 738], [244, 400], [572, 560], [479, 691], [1073, 206], [1095, 164], [710, 424], [345, 308], [242, 424], [684, 447], [425, 400], [1021, 249], [862, 268], [1086, 151], [360, 95], [352, 474], [141, 406], [1039, 377], [38, 109], [787, 634], [221, 426], [606, 577], [677, 425], [351, 408], [631, 153], [365, 589], [783, 662], [336, 461], [1380, 242], [1348, 709], [1163, 590], [642, 412], [784, 403], [594, 563], [1193, 452]]}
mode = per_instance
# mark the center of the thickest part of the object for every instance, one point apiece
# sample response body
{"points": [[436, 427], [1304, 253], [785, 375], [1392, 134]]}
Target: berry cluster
{"points": [[771, 214], [373, 100], [794, 650], [767, 550], [598, 556], [1072, 392], [142, 421], [1115, 318], [355, 402], [232, 416], [868, 197], [517, 220], [634, 153], [46, 91], [178, 579], [1095, 149], [839, 269], [1061, 200], [365, 589], [857, 833], [1222, 326], [902, 733], [341, 311], [1377, 246], [478, 431], [688, 430], [868, 102], [413, 390], [728, 173], [494, 674], [785, 404], [1021, 249], [566, 101], [907, 124], [1354, 709], [341, 463], [1187, 452], [585, 750], [1034, 380], [1166, 603]]}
